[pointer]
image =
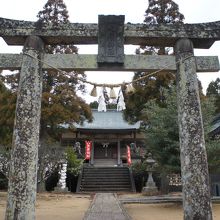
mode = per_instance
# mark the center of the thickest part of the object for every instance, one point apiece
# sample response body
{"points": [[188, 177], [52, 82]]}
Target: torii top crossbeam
{"points": [[203, 35]]}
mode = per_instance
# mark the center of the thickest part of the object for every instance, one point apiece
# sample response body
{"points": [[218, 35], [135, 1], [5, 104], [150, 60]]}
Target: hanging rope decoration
{"points": [[112, 93], [129, 86], [94, 91]]}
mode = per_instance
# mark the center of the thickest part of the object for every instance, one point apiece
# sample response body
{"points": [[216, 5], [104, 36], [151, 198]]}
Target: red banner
{"points": [[128, 155], [88, 150]]}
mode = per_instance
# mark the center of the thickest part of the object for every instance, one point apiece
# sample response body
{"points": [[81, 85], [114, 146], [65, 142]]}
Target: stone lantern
{"points": [[150, 187]]}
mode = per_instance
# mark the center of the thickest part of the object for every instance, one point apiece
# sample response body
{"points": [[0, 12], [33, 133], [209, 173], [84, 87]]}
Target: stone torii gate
{"points": [[111, 34]]}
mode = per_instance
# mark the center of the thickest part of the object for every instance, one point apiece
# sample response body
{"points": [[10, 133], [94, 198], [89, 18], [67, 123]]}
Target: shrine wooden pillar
{"points": [[92, 152], [119, 152], [194, 167], [24, 153]]}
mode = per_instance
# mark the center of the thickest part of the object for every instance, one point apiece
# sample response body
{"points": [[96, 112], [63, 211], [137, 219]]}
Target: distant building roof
{"points": [[109, 120]]}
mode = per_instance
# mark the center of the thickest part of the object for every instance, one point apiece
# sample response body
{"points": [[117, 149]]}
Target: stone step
{"points": [[94, 179], [107, 172], [106, 186], [105, 162], [106, 168], [106, 183], [106, 190], [104, 179], [109, 175], [108, 179]]}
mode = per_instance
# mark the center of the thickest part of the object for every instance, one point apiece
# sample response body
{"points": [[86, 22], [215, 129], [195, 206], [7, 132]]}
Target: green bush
{"points": [[139, 174], [74, 164]]}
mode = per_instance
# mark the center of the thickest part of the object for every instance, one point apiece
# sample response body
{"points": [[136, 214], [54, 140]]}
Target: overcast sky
{"points": [[87, 11]]}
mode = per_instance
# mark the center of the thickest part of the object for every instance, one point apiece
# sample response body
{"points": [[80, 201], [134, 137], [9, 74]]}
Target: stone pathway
{"points": [[105, 206]]}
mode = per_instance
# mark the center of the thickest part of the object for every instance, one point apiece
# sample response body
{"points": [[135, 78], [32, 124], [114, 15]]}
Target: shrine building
{"points": [[108, 146], [110, 135]]}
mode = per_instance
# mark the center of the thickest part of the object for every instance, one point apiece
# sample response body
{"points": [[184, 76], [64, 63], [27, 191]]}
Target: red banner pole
{"points": [[88, 150], [128, 155]]}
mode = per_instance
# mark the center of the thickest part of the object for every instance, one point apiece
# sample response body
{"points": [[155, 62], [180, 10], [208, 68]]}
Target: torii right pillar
{"points": [[194, 166]]}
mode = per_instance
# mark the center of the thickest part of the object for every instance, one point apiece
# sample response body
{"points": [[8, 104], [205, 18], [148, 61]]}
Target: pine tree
{"points": [[214, 90], [158, 12]]}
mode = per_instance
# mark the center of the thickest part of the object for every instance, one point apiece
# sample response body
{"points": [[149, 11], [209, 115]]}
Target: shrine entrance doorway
{"points": [[105, 154], [105, 150]]}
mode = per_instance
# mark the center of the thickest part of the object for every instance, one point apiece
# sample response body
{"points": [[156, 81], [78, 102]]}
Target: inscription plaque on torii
{"points": [[110, 39]]}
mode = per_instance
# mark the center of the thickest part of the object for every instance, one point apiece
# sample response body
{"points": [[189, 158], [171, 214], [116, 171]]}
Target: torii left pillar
{"points": [[24, 154]]}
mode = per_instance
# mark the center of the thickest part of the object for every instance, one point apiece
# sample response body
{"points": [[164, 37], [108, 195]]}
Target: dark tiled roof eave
{"points": [[105, 131], [110, 120]]}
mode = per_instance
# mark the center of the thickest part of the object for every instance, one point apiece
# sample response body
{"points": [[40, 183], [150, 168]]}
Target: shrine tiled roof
{"points": [[111, 119]]}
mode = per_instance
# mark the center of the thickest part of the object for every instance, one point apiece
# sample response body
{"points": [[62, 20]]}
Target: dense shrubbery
{"points": [[139, 175]]}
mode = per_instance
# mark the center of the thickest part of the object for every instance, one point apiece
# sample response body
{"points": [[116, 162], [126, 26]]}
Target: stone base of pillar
{"points": [[149, 191], [150, 188], [61, 190]]}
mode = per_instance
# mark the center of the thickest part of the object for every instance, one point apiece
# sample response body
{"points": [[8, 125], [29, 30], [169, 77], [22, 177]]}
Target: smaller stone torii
{"points": [[111, 34]]}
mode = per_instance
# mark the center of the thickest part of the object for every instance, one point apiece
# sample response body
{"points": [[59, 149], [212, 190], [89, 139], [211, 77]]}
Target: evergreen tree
{"points": [[163, 11], [158, 12], [162, 134], [214, 90], [54, 12]]}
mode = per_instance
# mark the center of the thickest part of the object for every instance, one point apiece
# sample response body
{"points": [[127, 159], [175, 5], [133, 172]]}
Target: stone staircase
{"points": [[106, 179], [105, 162]]}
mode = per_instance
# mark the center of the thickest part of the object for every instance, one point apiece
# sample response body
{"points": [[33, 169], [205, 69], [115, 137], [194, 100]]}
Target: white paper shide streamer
{"points": [[121, 102]]}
